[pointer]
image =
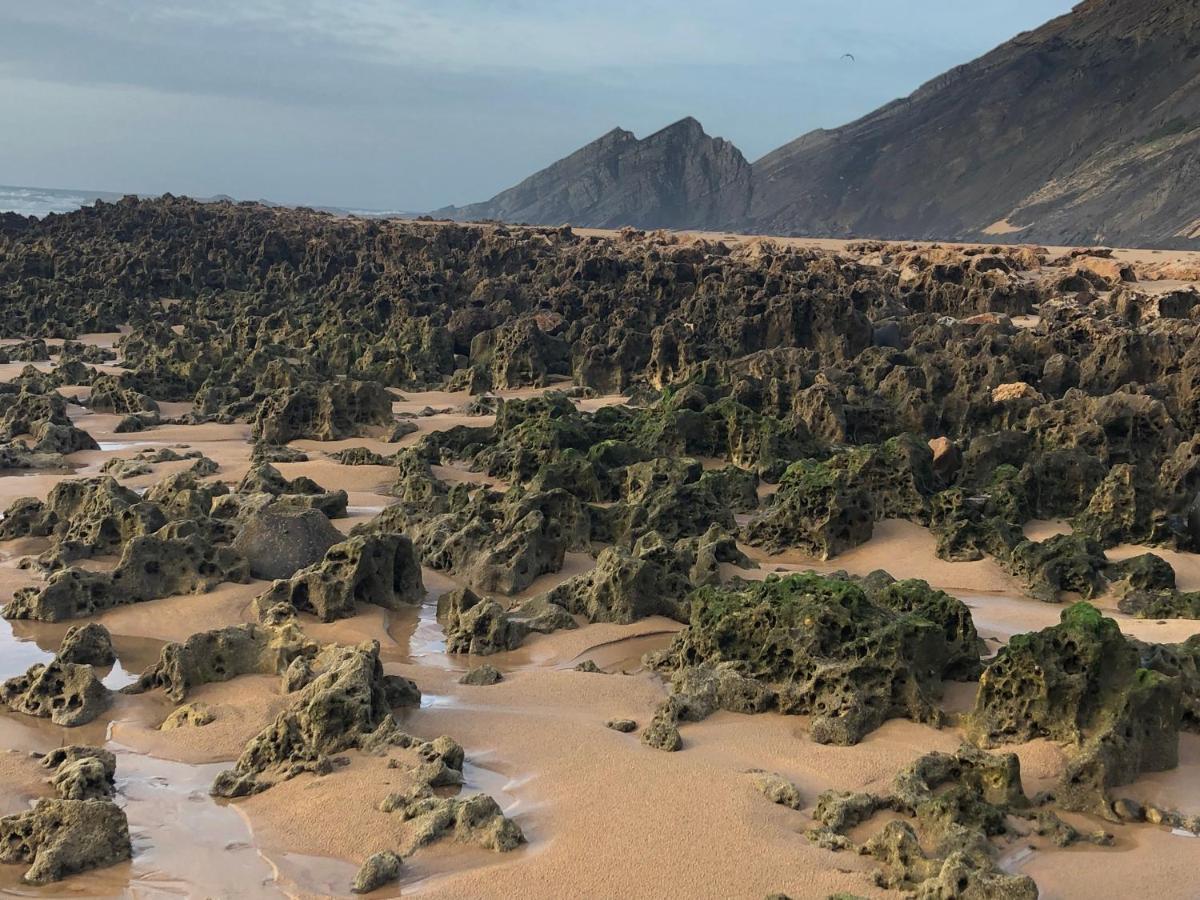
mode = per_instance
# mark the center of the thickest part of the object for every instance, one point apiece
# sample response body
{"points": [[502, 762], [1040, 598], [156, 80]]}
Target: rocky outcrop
{"points": [[477, 626], [89, 645], [79, 830], [345, 706], [150, 567], [222, 654], [300, 492], [321, 412], [277, 540], [812, 645], [677, 177], [1081, 682], [954, 808], [66, 693], [58, 838], [381, 569]]}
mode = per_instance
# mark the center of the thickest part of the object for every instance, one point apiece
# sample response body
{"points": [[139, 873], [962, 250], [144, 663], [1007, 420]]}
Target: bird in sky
{"points": [[849, 56]]}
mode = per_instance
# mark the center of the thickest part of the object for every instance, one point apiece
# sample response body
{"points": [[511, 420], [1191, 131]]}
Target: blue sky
{"points": [[413, 104]]}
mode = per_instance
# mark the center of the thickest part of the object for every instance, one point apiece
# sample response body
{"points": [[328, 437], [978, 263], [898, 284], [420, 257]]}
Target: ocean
{"points": [[35, 201]]}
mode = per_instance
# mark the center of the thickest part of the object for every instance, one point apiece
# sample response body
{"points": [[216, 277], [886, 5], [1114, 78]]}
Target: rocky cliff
{"points": [[1086, 130], [674, 178]]}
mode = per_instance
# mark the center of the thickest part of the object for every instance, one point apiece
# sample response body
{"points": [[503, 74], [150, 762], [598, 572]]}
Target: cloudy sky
{"points": [[413, 104]]}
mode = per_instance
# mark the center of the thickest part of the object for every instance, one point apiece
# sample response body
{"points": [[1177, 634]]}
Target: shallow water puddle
{"points": [[184, 843], [24, 644], [16, 654], [110, 446]]}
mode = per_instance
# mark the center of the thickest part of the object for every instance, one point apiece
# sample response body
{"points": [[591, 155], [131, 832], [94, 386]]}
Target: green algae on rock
{"points": [[1081, 682], [820, 646]]}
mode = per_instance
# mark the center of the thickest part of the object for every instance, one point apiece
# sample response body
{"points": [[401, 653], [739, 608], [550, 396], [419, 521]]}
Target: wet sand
{"points": [[605, 816]]}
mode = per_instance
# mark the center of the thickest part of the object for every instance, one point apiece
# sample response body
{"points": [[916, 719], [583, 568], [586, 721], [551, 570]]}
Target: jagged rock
{"points": [[378, 869], [323, 412], [1144, 572], [476, 626], [66, 693], [472, 820], [540, 615], [279, 540], [269, 453], [150, 567], [482, 675], [959, 802], [344, 706], [190, 715], [497, 544], [1081, 682], [58, 838], [1161, 603], [623, 588], [303, 492], [819, 510], [89, 644], [82, 773], [819, 646], [662, 733], [1065, 562], [222, 654], [777, 789], [97, 514], [916, 597], [360, 456], [380, 569]]}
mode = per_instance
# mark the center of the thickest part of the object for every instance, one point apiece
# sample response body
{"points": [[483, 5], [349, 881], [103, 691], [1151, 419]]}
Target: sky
{"points": [[415, 104]]}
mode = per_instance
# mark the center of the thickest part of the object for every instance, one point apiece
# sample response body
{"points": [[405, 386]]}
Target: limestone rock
{"points": [[378, 870], [89, 644], [482, 675], [777, 789], [190, 715], [58, 838], [345, 706], [380, 569], [1081, 682], [66, 693], [222, 654], [819, 646], [476, 626]]}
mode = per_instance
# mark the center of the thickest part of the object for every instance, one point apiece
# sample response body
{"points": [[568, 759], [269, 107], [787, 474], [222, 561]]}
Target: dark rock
{"points": [[279, 540], [380, 569], [66, 693], [379, 869], [482, 675], [89, 645]]}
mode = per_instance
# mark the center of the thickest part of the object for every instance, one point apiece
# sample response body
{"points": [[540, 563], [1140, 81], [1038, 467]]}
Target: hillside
{"points": [[673, 178], [1086, 130]]}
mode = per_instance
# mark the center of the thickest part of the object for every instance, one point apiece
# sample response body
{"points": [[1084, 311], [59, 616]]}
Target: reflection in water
{"points": [[185, 844]]}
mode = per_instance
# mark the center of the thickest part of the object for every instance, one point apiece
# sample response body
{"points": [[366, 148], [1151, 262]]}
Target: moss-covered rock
{"points": [[825, 649], [1081, 682], [381, 569]]}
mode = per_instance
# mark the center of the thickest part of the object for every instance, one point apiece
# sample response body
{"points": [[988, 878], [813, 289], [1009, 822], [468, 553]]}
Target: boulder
{"points": [[279, 540]]}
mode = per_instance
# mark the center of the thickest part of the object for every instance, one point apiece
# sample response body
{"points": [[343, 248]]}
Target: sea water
{"points": [[35, 201]]}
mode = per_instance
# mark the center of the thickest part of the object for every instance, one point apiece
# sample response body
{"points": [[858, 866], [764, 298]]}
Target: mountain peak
{"points": [[1085, 130], [676, 177]]}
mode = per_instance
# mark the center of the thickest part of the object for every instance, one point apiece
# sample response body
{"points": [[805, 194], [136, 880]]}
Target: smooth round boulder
{"points": [[280, 540]]}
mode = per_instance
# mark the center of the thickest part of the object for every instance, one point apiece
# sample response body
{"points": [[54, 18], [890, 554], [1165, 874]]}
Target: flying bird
{"points": [[849, 56]]}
